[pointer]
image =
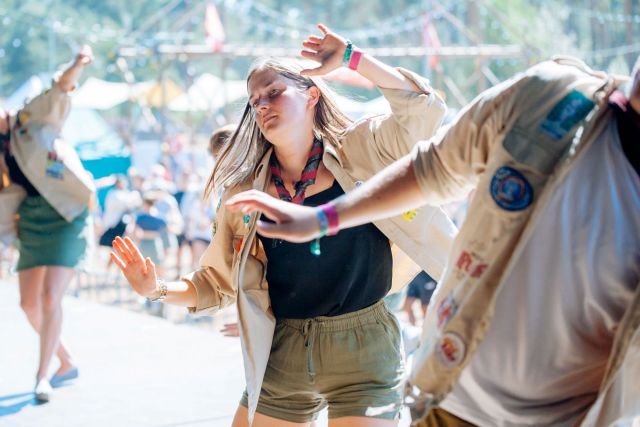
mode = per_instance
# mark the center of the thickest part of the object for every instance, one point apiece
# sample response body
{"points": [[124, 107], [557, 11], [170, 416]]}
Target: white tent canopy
{"points": [[209, 93], [102, 95]]}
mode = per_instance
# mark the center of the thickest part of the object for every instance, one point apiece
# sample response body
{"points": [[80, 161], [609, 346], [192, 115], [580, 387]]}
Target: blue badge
{"points": [[510, 189], [55, 169], [566, 114]]}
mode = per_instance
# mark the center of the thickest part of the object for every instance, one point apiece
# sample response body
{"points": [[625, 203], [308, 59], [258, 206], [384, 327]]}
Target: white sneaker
{"points": [[43, 390]]}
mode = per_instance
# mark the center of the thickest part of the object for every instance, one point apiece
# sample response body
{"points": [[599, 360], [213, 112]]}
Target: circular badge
{"points": [[510, 189], [450, 350]]}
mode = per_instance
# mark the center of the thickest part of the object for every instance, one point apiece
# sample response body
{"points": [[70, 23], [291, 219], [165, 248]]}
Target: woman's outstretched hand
{"points": [[140, 272], [328, 50], [294, 223]]}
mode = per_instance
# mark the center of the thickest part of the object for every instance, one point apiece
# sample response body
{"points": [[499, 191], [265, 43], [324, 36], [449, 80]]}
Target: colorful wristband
{"points": [[356, 55], [329, 210], [347, 53], [324, 222]]}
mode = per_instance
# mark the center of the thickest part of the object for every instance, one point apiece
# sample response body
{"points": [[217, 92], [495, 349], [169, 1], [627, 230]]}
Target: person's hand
{"points": [[327, 50], [293, 222], [84, 57], [139, 272], [230, 330]]}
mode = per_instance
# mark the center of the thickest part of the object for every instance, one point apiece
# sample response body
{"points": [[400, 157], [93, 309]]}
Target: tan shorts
{"points": [[352, 364]]}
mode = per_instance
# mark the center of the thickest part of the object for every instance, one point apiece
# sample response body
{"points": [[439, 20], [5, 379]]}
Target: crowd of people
{"points": [[309, 221]]}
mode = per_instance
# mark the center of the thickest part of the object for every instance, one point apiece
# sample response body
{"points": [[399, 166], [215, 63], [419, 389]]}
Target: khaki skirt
{"points": [[45, 238]]}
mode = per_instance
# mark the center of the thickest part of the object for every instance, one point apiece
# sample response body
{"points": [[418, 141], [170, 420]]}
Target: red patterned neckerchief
{"points": [[307, 178]]}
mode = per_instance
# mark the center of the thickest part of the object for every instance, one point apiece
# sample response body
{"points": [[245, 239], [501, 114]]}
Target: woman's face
{"points": [[280, 107]]}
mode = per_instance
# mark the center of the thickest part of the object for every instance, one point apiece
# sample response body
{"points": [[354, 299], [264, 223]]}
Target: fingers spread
{"points": [[310, 55], [121, 250], [136, 255], [311, 45], [118, 261]]}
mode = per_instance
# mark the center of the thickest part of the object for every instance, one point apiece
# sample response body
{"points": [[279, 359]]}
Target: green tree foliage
{"points": [[38, 35]]}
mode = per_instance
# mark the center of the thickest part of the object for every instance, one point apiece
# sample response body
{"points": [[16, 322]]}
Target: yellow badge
{"points": [[23, 117], [410, 215]]}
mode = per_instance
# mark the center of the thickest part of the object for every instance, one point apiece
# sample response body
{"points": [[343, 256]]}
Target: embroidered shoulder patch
{"points": [[450, 350], [510, 189], [566, 114]]}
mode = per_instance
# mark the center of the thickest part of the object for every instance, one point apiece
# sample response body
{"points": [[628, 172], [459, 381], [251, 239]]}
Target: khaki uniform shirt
{"points": [[514, 146], [234, 264], [35, 131]]}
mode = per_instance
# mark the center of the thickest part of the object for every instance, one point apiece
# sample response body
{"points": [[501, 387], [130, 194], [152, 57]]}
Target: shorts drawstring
{"points": [[309, 333]]}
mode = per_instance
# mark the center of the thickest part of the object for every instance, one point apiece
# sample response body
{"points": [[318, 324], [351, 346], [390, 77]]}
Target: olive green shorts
{"points": [[352, 364]]}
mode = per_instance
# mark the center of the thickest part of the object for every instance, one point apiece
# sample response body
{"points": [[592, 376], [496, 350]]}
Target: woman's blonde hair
{"points": [[241, 154]]}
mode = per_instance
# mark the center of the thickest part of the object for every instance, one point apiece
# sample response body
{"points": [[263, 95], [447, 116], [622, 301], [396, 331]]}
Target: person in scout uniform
{"points": [[315, 332], [53, 228], [536, 319]]}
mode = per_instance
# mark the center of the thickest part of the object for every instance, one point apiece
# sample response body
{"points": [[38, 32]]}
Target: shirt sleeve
{"points": [[448, 166], [50, 108], [213, 281], [414, 116]]}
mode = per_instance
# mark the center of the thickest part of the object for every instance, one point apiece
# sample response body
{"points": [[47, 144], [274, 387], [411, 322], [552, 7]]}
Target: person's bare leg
{"points": [[31, 283], [240, 420], [424, 310], [408, 308], [56, 281]]}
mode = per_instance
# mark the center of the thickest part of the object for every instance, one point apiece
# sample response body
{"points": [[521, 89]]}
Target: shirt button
{"points": [[359, 183]]}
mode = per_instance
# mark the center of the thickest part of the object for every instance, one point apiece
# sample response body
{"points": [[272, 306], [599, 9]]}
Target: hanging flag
{"points": [[213, 29], [430, 39]]}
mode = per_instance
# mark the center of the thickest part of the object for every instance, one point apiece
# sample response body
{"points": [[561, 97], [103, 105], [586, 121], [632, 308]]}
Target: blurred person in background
{"points": [[119, 205], [419, 289], [54, 227], [147, 230]]}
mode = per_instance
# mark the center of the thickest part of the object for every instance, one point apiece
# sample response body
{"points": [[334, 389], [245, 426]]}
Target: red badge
{"points": [[450, 350]]}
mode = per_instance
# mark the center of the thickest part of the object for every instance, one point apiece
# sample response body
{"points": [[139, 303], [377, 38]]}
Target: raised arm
{"points": [[69, 77], [433, 173], [52, 106], [329, 51]]}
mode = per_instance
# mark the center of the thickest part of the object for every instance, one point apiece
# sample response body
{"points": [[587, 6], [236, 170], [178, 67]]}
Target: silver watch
{"points": [[162, 287]]}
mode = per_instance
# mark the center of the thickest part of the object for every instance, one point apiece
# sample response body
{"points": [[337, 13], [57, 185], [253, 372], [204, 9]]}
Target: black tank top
{"points": [[352, 272]]}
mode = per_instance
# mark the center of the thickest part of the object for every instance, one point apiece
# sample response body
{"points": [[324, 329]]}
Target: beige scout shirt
{"points": [[234, 264], [469, 155], [69, 189]]}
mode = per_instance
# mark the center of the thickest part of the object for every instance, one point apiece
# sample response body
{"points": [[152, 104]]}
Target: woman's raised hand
{"points": [[328, 50], [140, 272], [85, 56], [294, 223]]}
